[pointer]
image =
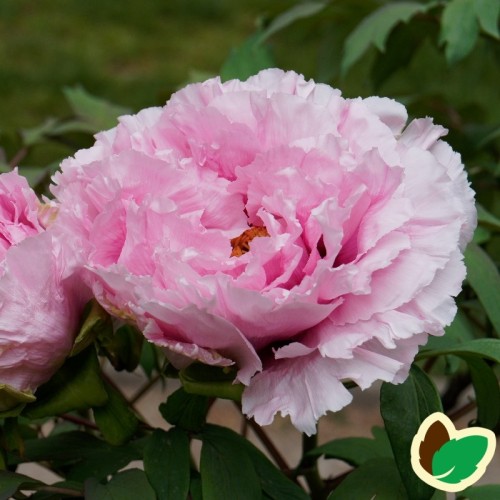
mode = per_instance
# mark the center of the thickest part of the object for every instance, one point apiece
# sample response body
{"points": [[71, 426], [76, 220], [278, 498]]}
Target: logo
{"points": [[450, 459]]}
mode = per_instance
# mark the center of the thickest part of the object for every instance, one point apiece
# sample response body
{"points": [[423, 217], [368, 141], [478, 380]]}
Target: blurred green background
{"points": [[440, 58]]}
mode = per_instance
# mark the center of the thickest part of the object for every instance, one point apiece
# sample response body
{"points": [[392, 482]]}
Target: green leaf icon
{"points": [[457, 459]]}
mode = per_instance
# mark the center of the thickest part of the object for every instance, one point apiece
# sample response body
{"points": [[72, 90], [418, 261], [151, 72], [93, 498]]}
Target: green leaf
{"points": [[12, 401], [123, 347], [211, 381], [459, 29], [457, 459], [149, 358], [247, 59], [486, 218], [188, 411], [483, 277], [377, 478], [166, 462], [485, 348], [487, 392], [115, 419], [485, 492], [299, 11], [459, 332], [226, 469], [356, 450], [404, 407], [96, 321], [98, 113], [274, 483], [487, 12], [10, 483], [35, 135], [77, 385], [131, 484], [375, 29]]}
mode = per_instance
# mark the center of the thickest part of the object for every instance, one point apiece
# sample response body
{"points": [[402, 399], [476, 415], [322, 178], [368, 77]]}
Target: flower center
{"points": [[241, 244]]}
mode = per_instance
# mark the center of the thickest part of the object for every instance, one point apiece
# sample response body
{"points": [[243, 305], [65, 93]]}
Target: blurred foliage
{"points": [[439, 58]]}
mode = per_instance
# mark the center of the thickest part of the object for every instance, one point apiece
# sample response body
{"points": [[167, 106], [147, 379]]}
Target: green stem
{"points": [[309, 468]]}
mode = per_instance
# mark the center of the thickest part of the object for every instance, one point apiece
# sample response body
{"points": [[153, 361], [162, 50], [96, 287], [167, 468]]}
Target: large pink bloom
{"points": [[38, 308], [274, 225]]}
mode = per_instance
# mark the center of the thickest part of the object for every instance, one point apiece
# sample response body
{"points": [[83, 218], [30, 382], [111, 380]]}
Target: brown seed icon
{"points": [[435, 437]]}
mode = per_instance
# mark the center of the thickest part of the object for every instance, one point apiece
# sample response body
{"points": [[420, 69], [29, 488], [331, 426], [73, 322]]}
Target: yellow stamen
{"points": [[241, 244]]}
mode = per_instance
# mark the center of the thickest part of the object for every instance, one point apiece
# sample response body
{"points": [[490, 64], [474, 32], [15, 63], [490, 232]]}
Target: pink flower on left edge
{"points": [[274, 225], [38, 308]]}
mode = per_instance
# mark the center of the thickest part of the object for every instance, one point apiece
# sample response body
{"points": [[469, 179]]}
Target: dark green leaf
{"points": [[149, 358], [195, 488], [356, 450], [98, 113], [487, 12], [274, 483], [188, 411], [77, 385], [377, 478], [404, 407], [115, 419], [457, 459], [485, 492], [226, 469], [247, 60], [166, 462], [123, 348], [10, 483], [211, 381], [299, 11], [487, 392], [375, 28], [483, 276], [96, 321], [459, 29], [485, 348], [131, 484]]}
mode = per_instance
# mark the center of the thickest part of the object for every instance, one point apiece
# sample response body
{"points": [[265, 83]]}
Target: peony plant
{"points": [[273, 226], [260, 238]]}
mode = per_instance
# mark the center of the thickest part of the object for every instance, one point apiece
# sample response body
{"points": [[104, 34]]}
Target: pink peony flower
{"points": [[38, 309], [274, 225]]}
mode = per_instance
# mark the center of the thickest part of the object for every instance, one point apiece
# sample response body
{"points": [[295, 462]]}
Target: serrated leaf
{"points": [[77, 385], [166, 463], [459, 29], [377, 478], [487, 12], [375, 29], [483, 277], [487, 392], [98, 113], [188, 411], [299, 11], [457, 459], [131, 484], [115, 419], [404, 407], [247, 59], [225, 467], [356, 450]]}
